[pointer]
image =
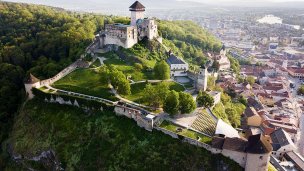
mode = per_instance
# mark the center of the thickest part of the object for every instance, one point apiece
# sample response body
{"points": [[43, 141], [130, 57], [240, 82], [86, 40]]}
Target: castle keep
{"points": [[128, 35]]}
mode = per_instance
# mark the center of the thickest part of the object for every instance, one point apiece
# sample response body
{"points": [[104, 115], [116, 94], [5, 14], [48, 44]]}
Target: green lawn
{"points": [[128, 69], [137, 90], [185, 132], [85, 81], [103, 141], [96, 64]]}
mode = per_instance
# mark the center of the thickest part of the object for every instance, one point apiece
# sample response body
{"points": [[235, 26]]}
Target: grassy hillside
{"points": [[102, 141], [85, 81]]}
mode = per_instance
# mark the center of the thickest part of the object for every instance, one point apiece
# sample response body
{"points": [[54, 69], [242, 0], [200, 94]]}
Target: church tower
{"points": [[202, 79], [137, 12]]}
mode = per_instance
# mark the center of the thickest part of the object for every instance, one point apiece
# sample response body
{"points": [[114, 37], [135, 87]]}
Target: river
{"points": [[271, 19]]}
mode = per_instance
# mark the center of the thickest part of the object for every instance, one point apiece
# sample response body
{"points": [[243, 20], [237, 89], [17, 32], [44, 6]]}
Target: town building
{"points": [[252, 154], [281, 142], [223, 60], [252, 117]]}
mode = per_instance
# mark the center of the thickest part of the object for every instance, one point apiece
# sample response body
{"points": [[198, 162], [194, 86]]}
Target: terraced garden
{"points": [[186, 132], [204, 123]]}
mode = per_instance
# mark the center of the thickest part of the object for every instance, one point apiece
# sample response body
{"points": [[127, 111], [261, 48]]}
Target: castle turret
{"points": [[137, 12], [201, 83]]}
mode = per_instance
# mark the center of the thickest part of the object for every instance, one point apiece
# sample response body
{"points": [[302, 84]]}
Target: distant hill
{"points": [[113, 6], [118, 7]]}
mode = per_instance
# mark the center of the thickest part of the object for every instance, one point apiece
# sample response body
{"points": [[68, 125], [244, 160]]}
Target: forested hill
{"points": [[191, 40], [40, 40]]}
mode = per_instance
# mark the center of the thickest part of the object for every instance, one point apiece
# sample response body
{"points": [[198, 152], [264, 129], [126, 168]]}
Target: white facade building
{"points": [[178, 66]]}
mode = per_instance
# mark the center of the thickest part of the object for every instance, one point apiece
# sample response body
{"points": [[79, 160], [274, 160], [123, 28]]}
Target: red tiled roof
{"points": [[296, 70]]}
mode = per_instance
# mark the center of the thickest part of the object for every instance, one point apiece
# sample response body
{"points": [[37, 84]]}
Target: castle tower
{"points": [[137, 12], [202, 79], [223, 50]]}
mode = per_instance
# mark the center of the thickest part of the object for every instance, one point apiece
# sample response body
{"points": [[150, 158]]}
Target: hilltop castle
{"points": [[128, 35]]}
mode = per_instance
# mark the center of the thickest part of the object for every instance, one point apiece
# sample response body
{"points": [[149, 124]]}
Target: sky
{"points": [[95, 5]]}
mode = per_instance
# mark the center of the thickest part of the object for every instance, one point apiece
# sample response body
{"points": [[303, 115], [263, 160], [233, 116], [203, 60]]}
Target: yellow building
{"points": [[252, 117]]}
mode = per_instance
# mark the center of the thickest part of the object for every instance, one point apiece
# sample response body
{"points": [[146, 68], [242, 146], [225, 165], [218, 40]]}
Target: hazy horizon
{"points": [[118, 7]]}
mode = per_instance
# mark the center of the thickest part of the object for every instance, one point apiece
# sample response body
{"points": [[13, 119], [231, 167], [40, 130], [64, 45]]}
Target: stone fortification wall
{"points": [[239, 157]]}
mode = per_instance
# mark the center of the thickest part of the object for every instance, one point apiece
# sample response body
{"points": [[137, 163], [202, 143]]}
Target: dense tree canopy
{"points": [[230, 111], [301, 90], [186, 102], [235, 65], [38, 40], [156, 95], [188, 40], [250, 80], [204, 100], [162, 70], [171, 104]]}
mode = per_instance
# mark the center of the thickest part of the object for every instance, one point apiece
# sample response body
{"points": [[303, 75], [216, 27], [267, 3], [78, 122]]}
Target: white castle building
{"points": [[128, 35], [178, 66]]}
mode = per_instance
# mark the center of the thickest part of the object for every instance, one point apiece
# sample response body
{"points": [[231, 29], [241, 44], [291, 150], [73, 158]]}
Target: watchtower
{"points": [[137, 12], [202, 79]]}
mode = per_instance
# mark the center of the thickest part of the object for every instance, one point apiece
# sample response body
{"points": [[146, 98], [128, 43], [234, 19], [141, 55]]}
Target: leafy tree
{"points": [[235, 65], [186, 102], [211, 83], [250, 80], [243, 100], [225, 98], [301, 90], [156, 95], [204, 100], [171, 104], [138, 66], [162, 70], [233, 116], [120, 82], [216, 66]]}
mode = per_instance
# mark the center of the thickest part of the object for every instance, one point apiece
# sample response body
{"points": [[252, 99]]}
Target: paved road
{"points": [[151, 81], [81, 95], [128, 101], [297, 82]]}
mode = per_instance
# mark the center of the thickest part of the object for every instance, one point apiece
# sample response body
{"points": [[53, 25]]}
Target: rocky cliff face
{"points": [[46, 160]]}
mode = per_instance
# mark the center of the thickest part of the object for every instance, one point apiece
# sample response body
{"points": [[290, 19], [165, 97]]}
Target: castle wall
{"points": [[28, 89], [136, 115], [257, 162], [148, 28], [239, 157], [179, 69], [120, 35], [152, 30]]}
